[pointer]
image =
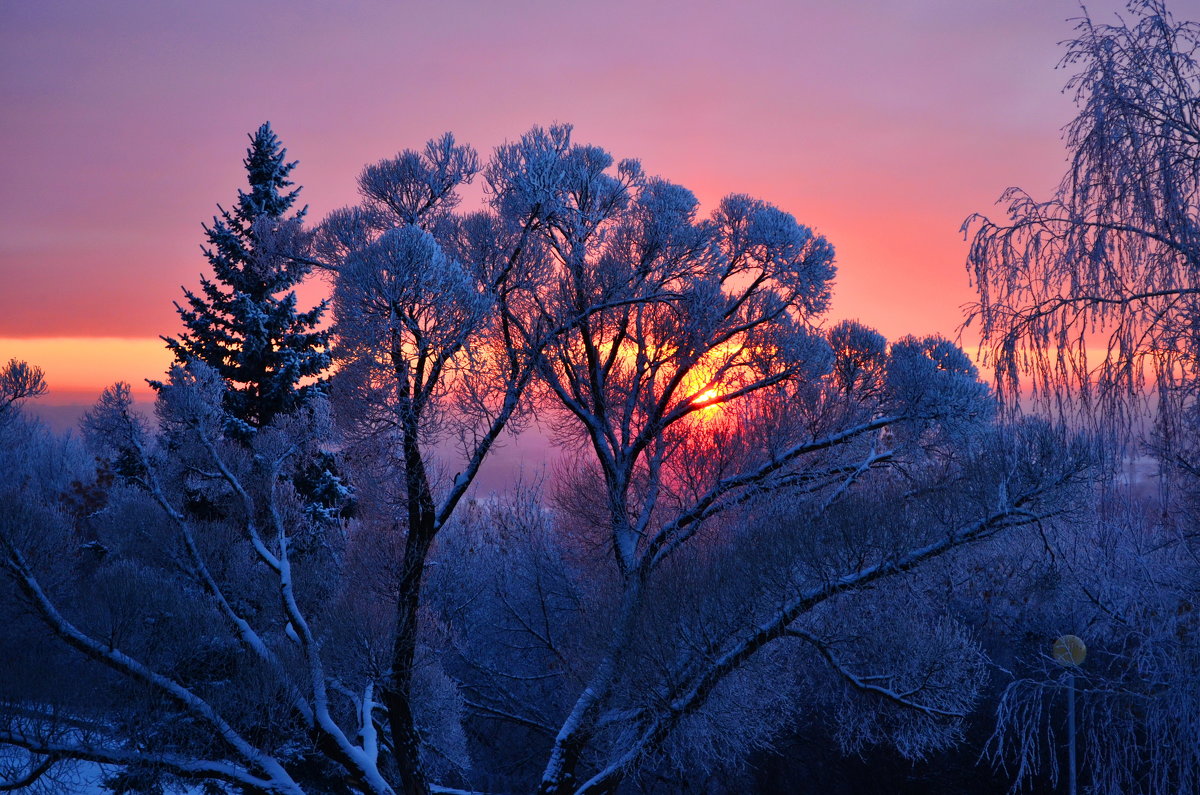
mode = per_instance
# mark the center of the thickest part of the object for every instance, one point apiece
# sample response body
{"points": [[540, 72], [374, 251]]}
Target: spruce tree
{"points": [[244, 322]]}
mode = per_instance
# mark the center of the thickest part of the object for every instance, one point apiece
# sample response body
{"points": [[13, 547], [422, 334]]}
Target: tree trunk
{"points": [[397, 692]]}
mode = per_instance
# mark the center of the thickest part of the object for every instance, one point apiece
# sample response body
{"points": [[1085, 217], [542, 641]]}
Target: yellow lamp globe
{"points": [[1069, 650]]}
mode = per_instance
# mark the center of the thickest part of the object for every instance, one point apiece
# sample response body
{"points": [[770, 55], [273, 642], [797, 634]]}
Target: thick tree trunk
{"points": [[397, 692]]}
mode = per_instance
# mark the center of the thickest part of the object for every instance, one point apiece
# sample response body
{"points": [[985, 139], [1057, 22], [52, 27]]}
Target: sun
{"points": [[708, 406]]}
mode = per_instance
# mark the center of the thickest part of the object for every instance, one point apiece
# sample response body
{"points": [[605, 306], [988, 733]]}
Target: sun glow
{"points": [[77, 368], [708, 406]]}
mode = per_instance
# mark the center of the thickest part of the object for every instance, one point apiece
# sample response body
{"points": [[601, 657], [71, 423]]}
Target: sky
{"points": [[882, 125]]}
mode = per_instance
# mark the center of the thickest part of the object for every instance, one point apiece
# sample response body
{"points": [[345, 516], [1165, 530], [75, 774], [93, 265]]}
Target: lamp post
{"points": [[1069, 651]]}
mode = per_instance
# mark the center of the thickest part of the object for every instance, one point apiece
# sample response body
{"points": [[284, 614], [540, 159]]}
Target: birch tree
{"points": [[1111, 261], [1089, 297], [1125, 582]]}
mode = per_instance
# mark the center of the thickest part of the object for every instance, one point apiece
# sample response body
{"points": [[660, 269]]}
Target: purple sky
{"points": [[880, 124]]}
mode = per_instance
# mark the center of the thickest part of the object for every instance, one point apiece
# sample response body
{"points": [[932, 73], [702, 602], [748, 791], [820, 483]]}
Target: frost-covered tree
{"points": [[439, 334], [803, 604], [683, 353], [180, 648], [1126, 583], [405, 314], [1112, 262], [747, 496], [244, 322], [704, 388], [19, 381], [1093, 295], [34, 674]]}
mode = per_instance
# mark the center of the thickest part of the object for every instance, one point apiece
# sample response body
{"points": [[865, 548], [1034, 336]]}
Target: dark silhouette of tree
{"points": [[19, 381]]}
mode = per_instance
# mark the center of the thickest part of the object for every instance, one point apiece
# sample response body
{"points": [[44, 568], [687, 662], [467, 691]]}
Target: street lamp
{"points": [[1069, 651]]}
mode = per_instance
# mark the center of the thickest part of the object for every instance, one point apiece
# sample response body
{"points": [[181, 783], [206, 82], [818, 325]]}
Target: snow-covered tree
{"points": [[682, 351], [798, 606], [1093, 295], [244, 323], [747, 496], [19, 381], [703, 387], [1125, 582], [211, 646], [1112, 262], [439, 335]]}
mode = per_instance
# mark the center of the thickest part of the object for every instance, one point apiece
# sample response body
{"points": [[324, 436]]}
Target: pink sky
{"points": [[880, 124]]}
